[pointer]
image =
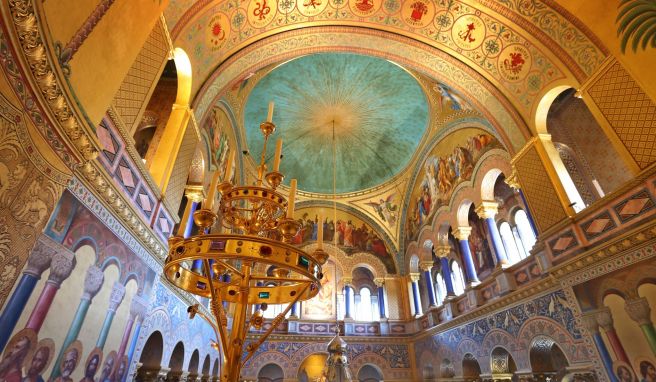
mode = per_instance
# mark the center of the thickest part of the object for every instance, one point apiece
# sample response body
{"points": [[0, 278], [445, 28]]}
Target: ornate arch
{"points": [[268, 357], [369, 358], [544, 327], [500, 338], [613, 286]]}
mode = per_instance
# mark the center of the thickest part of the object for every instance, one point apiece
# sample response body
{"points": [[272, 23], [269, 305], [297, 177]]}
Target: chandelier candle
{"points": [[276, 156], [270, 113], [212, 192], [292, 197]]}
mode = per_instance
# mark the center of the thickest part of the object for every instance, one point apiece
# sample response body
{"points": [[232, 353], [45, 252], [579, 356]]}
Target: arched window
{"points": [[440, 288], [457, 278], [512, 250], [364, 309], [525, 230]]}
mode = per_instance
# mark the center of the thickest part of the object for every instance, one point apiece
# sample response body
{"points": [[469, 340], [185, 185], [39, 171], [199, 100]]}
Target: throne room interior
{"points": [[481, 173]]}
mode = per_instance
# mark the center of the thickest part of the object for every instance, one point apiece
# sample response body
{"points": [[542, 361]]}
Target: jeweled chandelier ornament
{"points": [[232, 267]]}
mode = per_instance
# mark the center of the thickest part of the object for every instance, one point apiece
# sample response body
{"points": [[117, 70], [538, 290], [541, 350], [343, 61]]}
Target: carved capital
{"points": [[604, 319], [116, 297], [462, 233], [426, 266], [138, 308], [40, 257], [347, 281], [442, 250], [195, 193], [61, 267], [414, 277], [379, 282], [512, 180], [487, 209], [589, 321], [92, 282], [638, 310]]}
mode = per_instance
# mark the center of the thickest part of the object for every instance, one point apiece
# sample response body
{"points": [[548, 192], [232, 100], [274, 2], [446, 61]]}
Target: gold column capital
{"points": [[414, 277], [512, 180], [426, 266], [442, 250], [487, 209], [462, 233], [347, 281], [379, 281], [195, 193]]}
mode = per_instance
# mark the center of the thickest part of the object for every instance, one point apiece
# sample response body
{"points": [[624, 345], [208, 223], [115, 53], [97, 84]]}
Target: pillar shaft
{"points": [[125, 338], [430, 287], [497, 244], [348, 291], [381, 301], [416, 298], [135, 339], [42, 307], [650, 335], [73, 331], [616, 344], [605, 356], [446, 273], [472, 277], [15, 306]]}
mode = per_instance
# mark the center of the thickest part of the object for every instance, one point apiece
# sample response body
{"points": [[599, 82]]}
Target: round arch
{"points": [[151, 355], [270, 372], [369, 373]]}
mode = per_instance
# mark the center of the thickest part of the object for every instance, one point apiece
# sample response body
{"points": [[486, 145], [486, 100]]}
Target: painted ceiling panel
{"points": [[374, 110]]}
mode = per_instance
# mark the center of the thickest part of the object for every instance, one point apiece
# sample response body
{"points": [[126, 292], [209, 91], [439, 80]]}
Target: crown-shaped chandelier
{"points": [[232, 267]]}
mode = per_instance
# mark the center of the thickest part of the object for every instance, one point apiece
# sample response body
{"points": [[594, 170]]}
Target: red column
{"points": [[605, 320]]}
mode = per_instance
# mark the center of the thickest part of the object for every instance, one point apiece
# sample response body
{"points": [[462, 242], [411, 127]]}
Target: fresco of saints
{"points": [[45, 351], [647, 371], [322, 306], [121, 369], [16, 352], [93, 363], [385, 209], [69, 362], [108, 367]]}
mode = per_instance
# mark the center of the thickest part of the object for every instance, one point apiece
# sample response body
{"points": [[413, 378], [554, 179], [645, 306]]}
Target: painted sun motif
{"points": [[375, 110]]}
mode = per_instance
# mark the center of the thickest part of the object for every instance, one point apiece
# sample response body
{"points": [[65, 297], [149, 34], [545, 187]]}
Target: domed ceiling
{"points": [[374, 110]]}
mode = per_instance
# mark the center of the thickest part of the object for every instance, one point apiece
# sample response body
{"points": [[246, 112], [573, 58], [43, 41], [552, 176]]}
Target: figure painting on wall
{"points": [[91, 367], [323, 305], [121, 368], [69, 361], [108, 367], [18, 350], [216, 140], [350, 234], [623, 372], [45, 352], [478, 245], [447, 99], [647, 371], [450, 163]]}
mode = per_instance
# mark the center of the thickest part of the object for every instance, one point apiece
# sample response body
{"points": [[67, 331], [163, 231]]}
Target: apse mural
{"points": [[450, 162], [374, 111], [218, 142], [349, 233]]}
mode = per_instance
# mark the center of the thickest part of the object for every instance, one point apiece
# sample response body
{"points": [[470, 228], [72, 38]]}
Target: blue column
{"points": [[190, 222], [381, 301], [416, 299], [133, 343], [499, 251], [348, 291], [430, 287], [469, 262], [446, 273], [15, 306], [605, 356], [294, 312], [528, 214]]}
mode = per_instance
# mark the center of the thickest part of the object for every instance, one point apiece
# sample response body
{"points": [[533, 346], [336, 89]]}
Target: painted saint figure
{"points": [[647, 371], [108, 366], [16, 353], [44, 353], [93, 362], [69, 362]]}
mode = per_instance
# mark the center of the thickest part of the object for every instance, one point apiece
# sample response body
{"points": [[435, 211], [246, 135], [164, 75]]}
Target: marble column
{"points": [[38, 261], [640, 312], [356, 304], [92, 283], [513, 181], [487, 211], [446, 274], [60, 268], [115, 299], [348, 292], [295, 310], [380, 283], [428, 278], [590, 323], [416, 298], [462, 234], [137, 309], [605, 320]]}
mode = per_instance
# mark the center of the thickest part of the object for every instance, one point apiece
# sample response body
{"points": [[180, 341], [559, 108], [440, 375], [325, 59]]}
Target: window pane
{"points": [[525, 230], [509, 243]]}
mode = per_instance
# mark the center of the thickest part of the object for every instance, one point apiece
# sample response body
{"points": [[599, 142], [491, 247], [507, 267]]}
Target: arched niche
{"points": [[270, 372], [471, 370], [502, 363], [370, 373], [312, 366], [176, 361], [151, 356], [546, 357], [193, 363]]}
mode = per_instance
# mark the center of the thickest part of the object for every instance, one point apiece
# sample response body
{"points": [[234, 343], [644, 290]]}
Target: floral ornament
{"points": [[637, 22], [391, 5], [443, 20]]}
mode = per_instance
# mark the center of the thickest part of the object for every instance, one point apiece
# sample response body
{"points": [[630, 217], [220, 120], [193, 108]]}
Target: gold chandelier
{"points": [[234, 265]]}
